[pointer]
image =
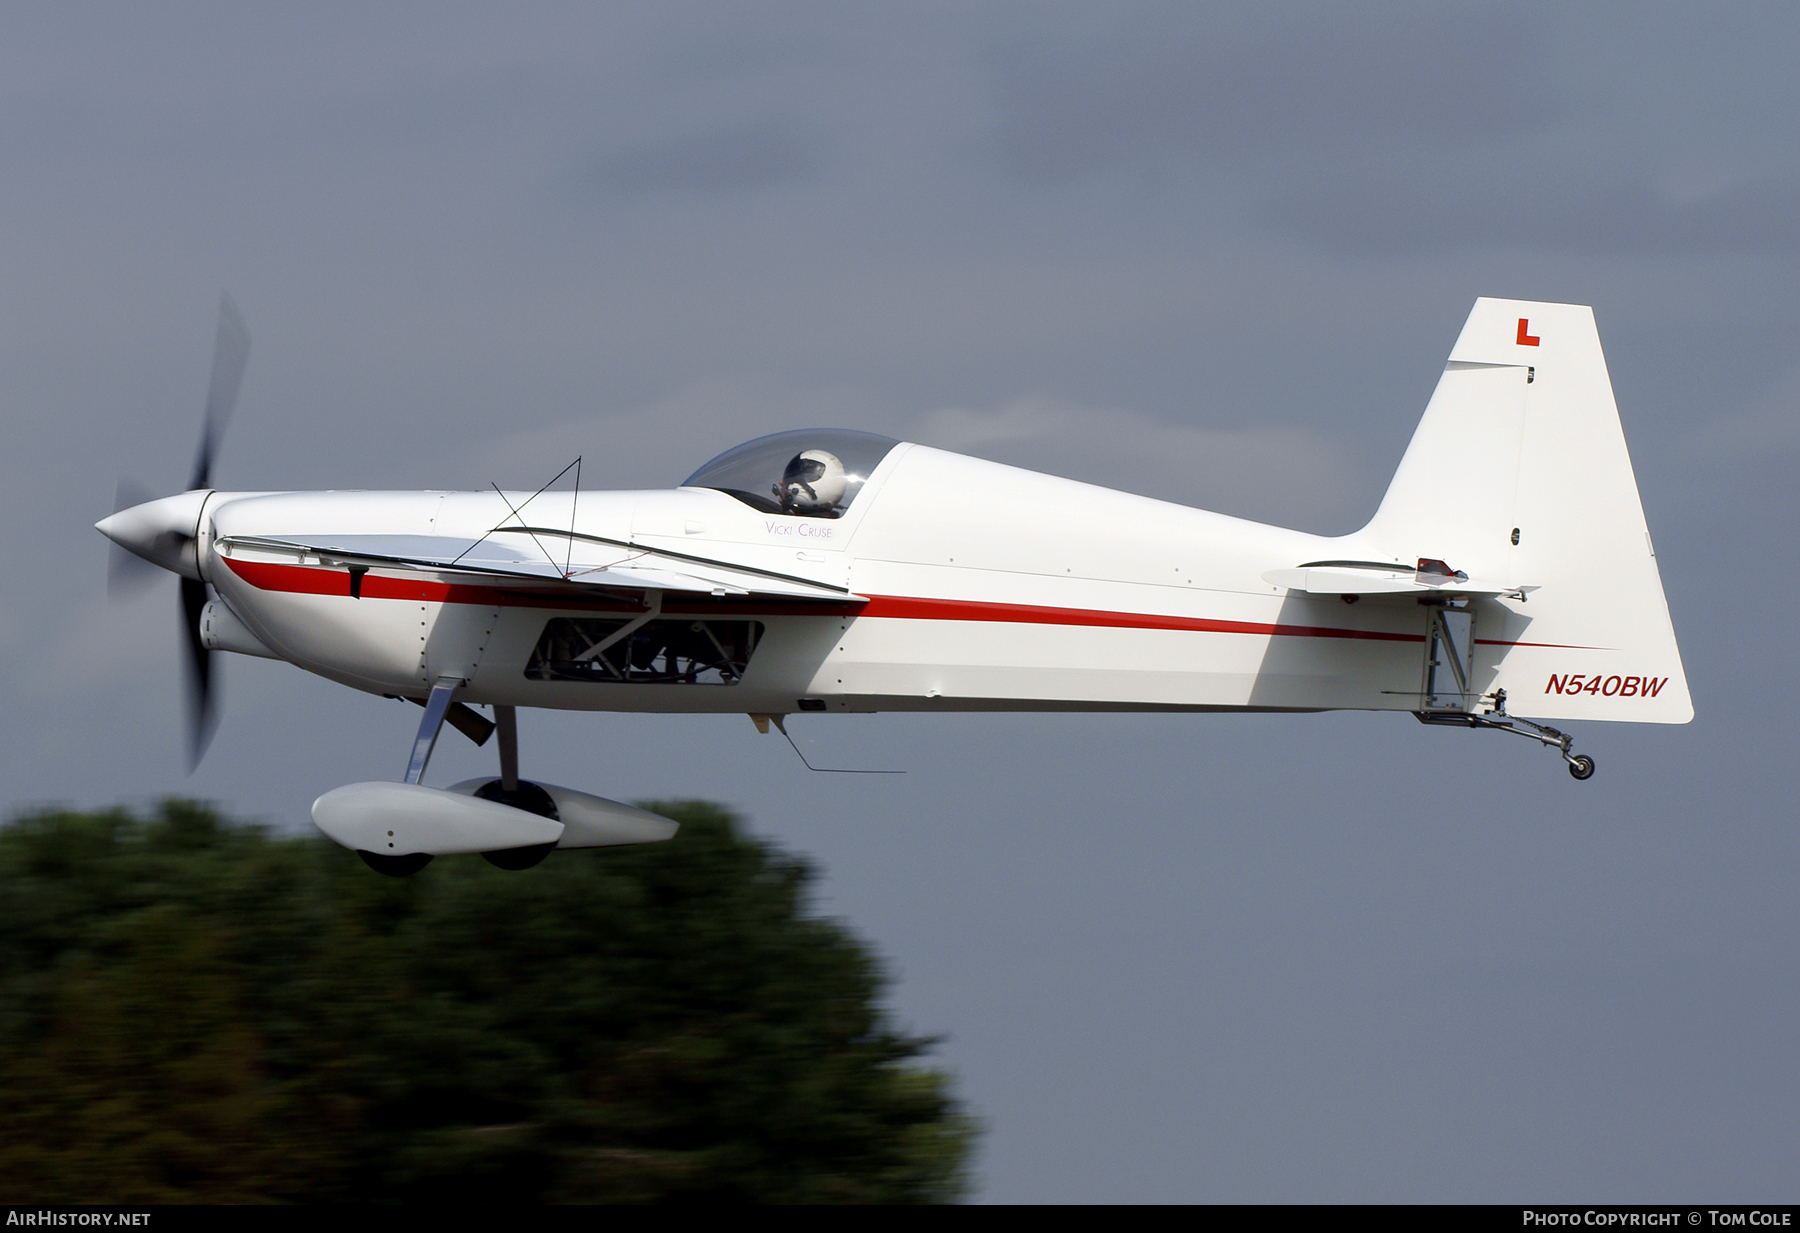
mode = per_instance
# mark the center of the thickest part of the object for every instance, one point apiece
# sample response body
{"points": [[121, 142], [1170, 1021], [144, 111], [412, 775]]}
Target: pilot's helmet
{"points": [[813, 482]]}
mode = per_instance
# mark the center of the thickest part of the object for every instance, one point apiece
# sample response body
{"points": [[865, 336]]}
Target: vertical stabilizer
{"points": [[1518, 473]]}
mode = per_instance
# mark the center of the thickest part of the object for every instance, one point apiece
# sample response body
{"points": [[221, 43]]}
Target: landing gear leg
{"points": [[437, 706], [506, 723], [508, 790]]}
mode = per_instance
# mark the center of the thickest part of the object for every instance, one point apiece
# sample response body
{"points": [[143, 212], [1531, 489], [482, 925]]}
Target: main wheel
{"points": [[519, 858], [532, 799], [1581, 766], [527, 796], [395, 866]]}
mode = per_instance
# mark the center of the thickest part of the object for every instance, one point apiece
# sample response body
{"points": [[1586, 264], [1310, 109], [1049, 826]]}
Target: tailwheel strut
{"points": [[1581, 766]]}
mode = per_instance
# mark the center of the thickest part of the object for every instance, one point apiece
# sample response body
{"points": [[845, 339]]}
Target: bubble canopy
{"points": [[762, 473]]}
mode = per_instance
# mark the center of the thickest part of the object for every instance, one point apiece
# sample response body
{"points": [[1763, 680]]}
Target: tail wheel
{"points": [[1581, 766]]}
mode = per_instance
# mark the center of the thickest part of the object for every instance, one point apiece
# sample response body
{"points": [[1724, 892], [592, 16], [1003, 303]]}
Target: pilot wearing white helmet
{"points": [[812, 484]]}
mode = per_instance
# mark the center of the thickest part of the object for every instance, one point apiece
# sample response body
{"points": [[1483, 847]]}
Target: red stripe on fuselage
{"points": [[330, 580], [313, 580], [308, 580], [1031, 614]]}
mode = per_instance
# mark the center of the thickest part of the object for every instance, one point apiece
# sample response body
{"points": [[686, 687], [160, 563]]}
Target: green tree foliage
{"points": [[194, 1011]]}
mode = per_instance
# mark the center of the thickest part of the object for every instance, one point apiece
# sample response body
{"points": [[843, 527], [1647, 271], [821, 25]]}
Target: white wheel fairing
{"points": [[593, 821], [400, 819]]}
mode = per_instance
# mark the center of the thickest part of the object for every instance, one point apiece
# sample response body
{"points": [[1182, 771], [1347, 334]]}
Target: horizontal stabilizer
{"points": [[1377, 578]]}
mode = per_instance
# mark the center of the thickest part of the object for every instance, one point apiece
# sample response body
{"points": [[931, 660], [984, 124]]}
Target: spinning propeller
{"points": [[164, 532]]}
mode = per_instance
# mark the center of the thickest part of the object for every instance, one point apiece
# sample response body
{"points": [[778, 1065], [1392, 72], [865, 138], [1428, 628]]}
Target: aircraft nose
{"points": [[161, 531]]}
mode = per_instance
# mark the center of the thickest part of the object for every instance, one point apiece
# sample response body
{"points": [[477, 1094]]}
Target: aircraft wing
{"points": [[526, 557], [1428, 577]]}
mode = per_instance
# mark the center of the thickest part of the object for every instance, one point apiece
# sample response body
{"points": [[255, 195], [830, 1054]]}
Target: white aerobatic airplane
{"points": [[1507, 578]]}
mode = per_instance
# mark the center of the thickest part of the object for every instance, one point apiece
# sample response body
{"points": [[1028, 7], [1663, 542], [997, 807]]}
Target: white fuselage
{"points": [[1019, 592]]}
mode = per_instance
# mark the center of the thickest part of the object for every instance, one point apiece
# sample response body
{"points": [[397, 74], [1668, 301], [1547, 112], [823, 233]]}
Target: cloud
{"points": [[1757, 433], [1479, 206], [1165, 89], [1403, 129], [739, 158]]}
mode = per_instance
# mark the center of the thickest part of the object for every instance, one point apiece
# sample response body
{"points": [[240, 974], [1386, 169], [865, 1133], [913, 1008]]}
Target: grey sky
{"points": [[1211, 255]]}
